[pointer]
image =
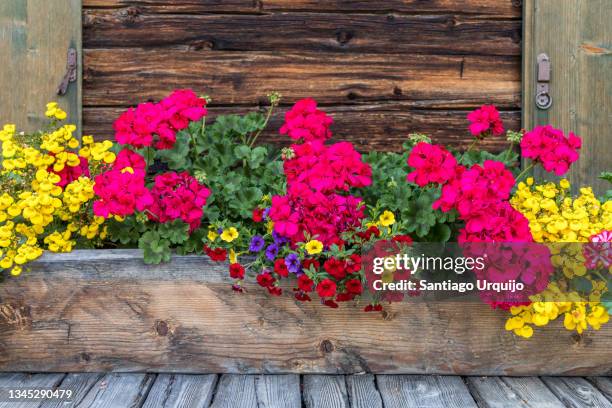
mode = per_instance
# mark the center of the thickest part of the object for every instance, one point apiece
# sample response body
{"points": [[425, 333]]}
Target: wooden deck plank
{"points": [[181, 391], [27, 381], [603, 384], [235, 391], [424, 391], [576, 392], [80, 384], [278, 391], [362, 391], [512, 392], [325, 391], [119, 390]]}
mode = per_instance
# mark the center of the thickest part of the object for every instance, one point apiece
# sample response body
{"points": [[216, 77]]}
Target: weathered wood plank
{"points": [[497, 8], [576, 36], [33, 47], [235, 391], [576, 392], [512, 392], [119, 390], [382, 127], [26, 381], [278, 391], [298, 32], [362, 391], [127, 76], [181, 391], [426, 391], [603, 384], [114, 313], [325, 391], [79, 383]]}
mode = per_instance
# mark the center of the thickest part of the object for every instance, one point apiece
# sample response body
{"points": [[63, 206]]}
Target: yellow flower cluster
{"points": [[552, 303], [37, 209], [554, 216]]}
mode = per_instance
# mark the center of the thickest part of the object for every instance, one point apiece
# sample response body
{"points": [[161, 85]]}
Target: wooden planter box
{"points": [[105, 310]]}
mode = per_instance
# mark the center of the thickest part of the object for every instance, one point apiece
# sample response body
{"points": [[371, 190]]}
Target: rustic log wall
{"points": [[382, 68]]}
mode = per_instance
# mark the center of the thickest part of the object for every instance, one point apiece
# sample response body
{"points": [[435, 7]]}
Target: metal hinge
{"points": [[543, 99], [71, 71]]}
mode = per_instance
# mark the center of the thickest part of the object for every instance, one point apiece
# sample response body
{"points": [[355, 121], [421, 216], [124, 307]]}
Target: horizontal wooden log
{"points": [[382, 127], [104, 310], [497, 8], [297, 32], [128, 76]]}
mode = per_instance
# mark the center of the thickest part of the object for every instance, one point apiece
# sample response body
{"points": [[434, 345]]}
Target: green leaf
{"points": [[176, 231], [155, 249], [177, 158]]}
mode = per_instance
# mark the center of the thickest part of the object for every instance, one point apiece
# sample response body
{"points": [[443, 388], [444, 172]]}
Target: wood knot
{"points": [[258, 5], [326, 346], [352, 96], [517, 3], [200, 45], [397, 91], [85, 357], [517, 36], [343, 36], [161, 327], [451, 22], [388, 315], [130, 15], [15, 315], [390, 17]]}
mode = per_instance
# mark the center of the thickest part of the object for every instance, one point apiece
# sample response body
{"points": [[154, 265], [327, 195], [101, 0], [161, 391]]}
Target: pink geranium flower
{"points": [[485, 120]]}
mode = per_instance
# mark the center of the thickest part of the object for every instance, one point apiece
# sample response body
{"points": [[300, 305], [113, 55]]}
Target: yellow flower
{"points": [[387, 218], [229, 234], [233, 258], [314, 247], [212, 235]]}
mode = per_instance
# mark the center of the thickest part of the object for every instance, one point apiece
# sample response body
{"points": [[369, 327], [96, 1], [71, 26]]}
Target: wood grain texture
{"points": [[512, 392], [235, 391], [576, 36], [362, 391], [181, 391], [325, 391], [33, 47], [114, 313], [399, 391], [278, 391], [299, 32], [603, 384], [495, 8], [27, 381], [118, 390], [382, 127], [577, 392], [79, 383], [129, 76]]}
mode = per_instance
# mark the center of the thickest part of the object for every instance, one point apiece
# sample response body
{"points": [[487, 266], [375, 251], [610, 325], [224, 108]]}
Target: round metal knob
{"points": [[543, 100]]}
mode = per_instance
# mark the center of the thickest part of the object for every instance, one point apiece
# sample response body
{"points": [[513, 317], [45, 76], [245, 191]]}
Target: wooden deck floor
{"points": [[311, 391]]}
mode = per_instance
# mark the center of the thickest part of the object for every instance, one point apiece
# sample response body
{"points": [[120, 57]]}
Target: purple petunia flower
{"points": [[279, 239], [271, 251], [293, 263], [257, 243], [266, 213]]}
